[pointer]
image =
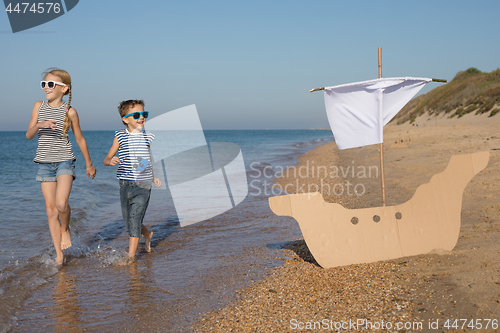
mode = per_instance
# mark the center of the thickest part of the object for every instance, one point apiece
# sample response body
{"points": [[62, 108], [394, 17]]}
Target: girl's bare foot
{"points": [[65, 240], [126, 261], [147, 241], [60, 260]]}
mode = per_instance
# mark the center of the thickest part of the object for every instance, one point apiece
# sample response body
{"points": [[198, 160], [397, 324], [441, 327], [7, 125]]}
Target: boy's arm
{"points": [[156, 181], [111, 159]]}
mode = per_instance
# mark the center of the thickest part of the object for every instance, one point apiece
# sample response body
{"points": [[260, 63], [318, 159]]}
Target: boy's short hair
{"points": [[126, 105]]}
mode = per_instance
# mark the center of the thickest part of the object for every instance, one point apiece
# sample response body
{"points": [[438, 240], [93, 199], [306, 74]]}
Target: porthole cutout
{"points": [[354, 220], [399, 216], [376, 218]]}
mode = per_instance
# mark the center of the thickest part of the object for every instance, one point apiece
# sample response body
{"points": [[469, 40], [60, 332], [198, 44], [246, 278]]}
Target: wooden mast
{"points": [[381, 145]]}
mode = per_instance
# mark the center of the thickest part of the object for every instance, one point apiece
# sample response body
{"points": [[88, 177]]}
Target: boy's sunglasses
{"points": [[50, 84], [137, 115]]}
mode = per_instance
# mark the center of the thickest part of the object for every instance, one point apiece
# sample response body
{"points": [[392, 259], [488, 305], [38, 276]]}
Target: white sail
{"points": [[357, 112]]}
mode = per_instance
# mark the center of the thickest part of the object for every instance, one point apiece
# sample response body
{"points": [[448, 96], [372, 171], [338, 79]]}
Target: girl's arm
{"points": [[80, 140], [34, 125], [111, 159]]}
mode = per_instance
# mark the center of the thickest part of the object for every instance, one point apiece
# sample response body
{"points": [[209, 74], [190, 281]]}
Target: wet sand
{"points": [[428, 289]]}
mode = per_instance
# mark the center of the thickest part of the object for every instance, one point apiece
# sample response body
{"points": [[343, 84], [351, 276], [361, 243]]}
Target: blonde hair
{"points": [[66, 79], [126, 105]]}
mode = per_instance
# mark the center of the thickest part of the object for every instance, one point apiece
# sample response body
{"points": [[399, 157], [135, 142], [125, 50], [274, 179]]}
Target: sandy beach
{"points": [[441, 291]]}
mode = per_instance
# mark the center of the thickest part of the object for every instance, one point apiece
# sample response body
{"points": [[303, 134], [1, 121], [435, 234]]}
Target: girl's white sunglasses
{"points": [[50, 84]]}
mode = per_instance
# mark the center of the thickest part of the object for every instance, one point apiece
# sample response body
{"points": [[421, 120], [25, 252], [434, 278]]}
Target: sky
{"points": [[244, 64]]}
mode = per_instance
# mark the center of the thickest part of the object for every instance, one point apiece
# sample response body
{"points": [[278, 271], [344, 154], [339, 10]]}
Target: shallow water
{"points": [[191, 270]]}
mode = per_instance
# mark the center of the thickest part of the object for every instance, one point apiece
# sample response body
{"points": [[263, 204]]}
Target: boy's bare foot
{"points": [[65, 240], [147, 241]]}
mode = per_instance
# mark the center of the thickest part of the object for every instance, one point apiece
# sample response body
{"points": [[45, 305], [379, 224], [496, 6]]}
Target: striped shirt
{"points": [[135, 159], [52, 145]]}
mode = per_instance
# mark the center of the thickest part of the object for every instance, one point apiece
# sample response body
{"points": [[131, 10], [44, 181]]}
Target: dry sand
{"points": [[461, 284]]}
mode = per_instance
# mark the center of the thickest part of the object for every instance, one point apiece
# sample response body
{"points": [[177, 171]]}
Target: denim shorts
{"points": [[134, 199], [48, 172]]}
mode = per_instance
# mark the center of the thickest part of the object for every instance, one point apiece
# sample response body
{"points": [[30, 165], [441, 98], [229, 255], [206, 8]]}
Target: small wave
{"points": [[18, 283], [313, 142], [302, 144], [80, 215], [78, 249], [22, 278], [109, 256]]}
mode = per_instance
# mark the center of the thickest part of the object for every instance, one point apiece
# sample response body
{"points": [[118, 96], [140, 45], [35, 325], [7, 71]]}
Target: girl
{"points": [[52, 119]]}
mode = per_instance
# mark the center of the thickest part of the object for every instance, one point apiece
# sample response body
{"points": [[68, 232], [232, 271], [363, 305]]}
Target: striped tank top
{"points": [[135, 159], [52, 145]]}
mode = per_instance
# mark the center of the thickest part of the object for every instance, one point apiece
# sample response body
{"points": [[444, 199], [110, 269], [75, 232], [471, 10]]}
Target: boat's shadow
{"points": [[299, 247]]}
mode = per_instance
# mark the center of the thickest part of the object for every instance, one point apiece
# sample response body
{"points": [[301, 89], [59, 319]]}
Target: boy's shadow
{"points": [[111, 231], [165, 229]]}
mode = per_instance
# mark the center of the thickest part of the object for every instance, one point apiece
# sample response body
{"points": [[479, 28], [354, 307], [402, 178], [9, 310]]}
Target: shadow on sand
{"points": [[299, 247], [112, 230]]}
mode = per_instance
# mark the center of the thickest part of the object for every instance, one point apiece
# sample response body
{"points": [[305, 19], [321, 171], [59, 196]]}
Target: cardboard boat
{"points": [[430, 220]]}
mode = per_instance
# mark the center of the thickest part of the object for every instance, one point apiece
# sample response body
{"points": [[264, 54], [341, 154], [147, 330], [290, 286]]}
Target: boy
{"points": [[135, 171]]}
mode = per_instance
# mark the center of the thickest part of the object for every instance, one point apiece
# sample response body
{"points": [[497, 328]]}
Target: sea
{"points": [[191, 270]]}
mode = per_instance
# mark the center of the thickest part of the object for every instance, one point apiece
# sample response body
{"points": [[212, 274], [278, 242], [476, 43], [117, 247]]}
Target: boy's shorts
{"points": [[134, 199], [48, 172]]}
